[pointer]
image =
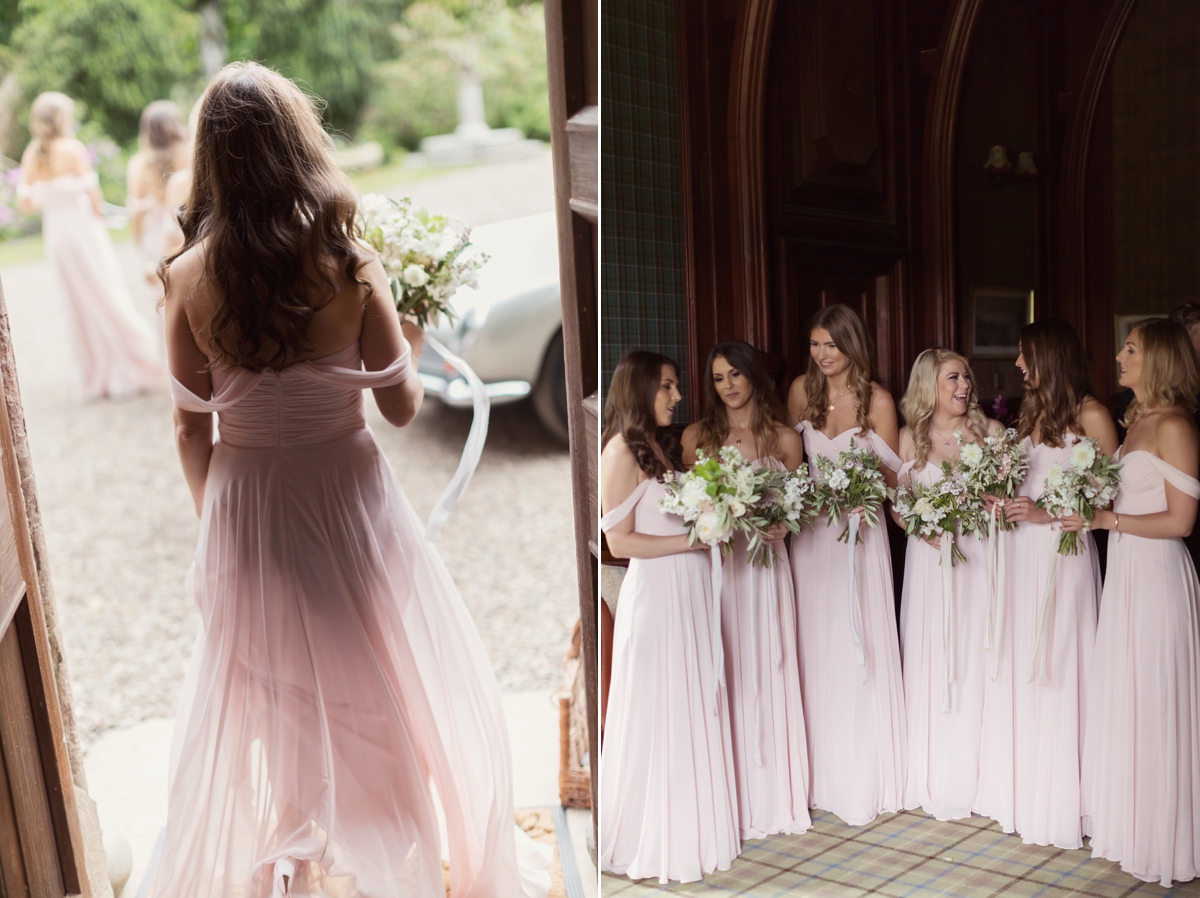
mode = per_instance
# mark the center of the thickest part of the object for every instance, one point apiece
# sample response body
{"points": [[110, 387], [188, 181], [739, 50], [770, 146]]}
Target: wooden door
{"points": [[41, 850], [571, 43]]}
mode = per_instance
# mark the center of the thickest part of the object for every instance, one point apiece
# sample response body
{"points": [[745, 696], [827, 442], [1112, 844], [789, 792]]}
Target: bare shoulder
{"points": [[690, 435], [881, 397], [994, 427], [617, 450], [1173, 425], [186, 280], [789, 440], [908, 444], [797, 391], [1093, 412]]}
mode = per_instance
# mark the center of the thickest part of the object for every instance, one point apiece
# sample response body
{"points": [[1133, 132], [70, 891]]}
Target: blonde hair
{"points": [[920, 400], [51, 116], [1169, 375], [850, 336], [162, 136]]}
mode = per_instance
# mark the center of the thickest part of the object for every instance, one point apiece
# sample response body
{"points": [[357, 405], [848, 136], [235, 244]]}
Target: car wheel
{"points": [[550, 394]]}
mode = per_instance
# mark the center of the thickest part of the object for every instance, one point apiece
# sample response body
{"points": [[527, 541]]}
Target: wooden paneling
{"points": [[12, 584]]}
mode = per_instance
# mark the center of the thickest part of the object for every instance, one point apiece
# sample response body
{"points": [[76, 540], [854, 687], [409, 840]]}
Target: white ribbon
{"points": [[1041, 649], [993, 634], [856, 624], [776, 647], [472, 450], [947, 563], [718, 650], [284, 873]]}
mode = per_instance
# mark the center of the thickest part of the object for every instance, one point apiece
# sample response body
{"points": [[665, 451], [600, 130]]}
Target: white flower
{"points": [[838, 480], [924, 508], [1083, 454], [972, 454], [1054, 477], [415, 276], [710, 529], [736, 508]]}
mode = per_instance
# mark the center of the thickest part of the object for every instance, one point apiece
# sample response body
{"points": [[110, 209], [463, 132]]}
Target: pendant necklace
{"points": [[941, 436], [834, 402]]}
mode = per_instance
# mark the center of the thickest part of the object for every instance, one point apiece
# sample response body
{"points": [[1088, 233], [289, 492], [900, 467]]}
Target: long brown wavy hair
{"points": [[920, 401], [265, 198], [1058, 365], [1169, 375], [162, 138], [850, 335], [769, 411], [629, 411]]}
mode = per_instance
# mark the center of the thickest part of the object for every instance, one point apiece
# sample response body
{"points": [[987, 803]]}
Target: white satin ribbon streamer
{"points": [[718, 650], [993, 634], [472, 450], [284, 869], [947, 562], [1041, 648], [776, 648], [856, 624], [988, 626]]}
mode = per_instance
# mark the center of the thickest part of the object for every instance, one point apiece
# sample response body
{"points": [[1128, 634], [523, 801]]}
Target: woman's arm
{"points": [[885, 423], [81, 165], [133, 194], [690, 441], [797, 401], [1098, 424], [188, 364], [1178, 446], [619, 477], [790, 446], [26, 202], [382, 341]]}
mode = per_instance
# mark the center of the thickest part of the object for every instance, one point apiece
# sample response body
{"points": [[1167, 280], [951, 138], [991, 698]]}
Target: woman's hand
{"points": [[1022, 508], [1104, 520], [935, 541], [776, 533], [990, 502]]}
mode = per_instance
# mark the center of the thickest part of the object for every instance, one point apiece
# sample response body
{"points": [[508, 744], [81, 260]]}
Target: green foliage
{"points": [[115, 56], [506, 44], [332, 47]]}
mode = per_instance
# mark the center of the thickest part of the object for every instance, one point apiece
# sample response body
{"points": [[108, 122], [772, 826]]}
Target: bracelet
{"points": [[1116, 522]]}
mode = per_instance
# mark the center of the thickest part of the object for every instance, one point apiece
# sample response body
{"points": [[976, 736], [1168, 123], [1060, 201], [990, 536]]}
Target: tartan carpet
{"points": [[907, 854]]}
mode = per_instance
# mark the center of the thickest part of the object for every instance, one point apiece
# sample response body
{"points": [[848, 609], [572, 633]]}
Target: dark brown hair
{"points": [[1187, 314], [629, 411], [1058, 365], [162, 134], [769, 411], [265, 198], [852, 340]]}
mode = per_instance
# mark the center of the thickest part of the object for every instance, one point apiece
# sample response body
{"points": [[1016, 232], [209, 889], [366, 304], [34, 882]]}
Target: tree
{"points": [[115, 56]]}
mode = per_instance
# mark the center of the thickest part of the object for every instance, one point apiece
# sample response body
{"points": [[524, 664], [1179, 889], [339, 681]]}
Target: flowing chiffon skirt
{"points": [[853, 713], [770, 749], [943, 743], [667, 781], [338, 682], [1141, 761]]}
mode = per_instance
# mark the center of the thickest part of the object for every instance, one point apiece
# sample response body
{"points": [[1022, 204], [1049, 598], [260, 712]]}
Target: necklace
{"points": [[834, 402], [941, 436]]}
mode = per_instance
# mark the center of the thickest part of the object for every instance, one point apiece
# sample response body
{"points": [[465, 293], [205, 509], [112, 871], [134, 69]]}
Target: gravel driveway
{"points": [[121, 530]]}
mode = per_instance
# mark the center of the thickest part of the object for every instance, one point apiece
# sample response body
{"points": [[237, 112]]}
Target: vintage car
{"points": [[510, 328]]}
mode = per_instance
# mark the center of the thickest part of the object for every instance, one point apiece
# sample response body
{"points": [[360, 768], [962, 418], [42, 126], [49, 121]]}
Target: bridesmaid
{"points": [[113, 345], [758, 613], [666, 769], [854, 711], [943, 692], [1034, 710], [162, 151], [1141, 751]]}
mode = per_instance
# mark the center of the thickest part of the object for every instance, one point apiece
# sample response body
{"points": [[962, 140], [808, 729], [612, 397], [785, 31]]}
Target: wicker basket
{"points": [[574, 775]]}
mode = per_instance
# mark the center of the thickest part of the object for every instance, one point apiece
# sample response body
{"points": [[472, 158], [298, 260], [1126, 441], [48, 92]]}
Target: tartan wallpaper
{"points": [[641, 269]]}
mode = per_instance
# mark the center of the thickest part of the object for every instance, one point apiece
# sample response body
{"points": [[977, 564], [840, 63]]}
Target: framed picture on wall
{"points": [[995, 316], [1123, 323]]}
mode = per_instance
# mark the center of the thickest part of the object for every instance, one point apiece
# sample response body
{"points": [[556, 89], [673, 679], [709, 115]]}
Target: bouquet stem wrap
{"points": [[1041, 648], [856, 623], [718, 648], [472, 450], [947, 563], [993, 633]]}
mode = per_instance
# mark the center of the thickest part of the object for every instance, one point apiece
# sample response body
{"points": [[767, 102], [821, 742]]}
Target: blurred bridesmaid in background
{"points": [[849, 650], [113, 346], [942, 633], [1141, 756], [758, 610], [667, 782], [162, 151]]}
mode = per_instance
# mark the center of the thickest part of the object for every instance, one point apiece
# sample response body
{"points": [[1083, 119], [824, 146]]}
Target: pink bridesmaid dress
{"points": [[1141, 756], [853, 712], [1034, 709], [762, 673], [338, 678], [943, 694], [667, 782], [115, 348]]}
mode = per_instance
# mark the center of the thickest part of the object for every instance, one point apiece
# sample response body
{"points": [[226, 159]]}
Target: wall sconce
{"points": [[997, 166], [1026, 170]]}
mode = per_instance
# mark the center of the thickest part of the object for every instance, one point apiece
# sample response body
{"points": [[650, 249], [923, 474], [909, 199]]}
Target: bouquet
{"points": [[1089, 482], [714, 498], [421, 253], [784, 498], [938, 509], [853, 481], [994, 469]]}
